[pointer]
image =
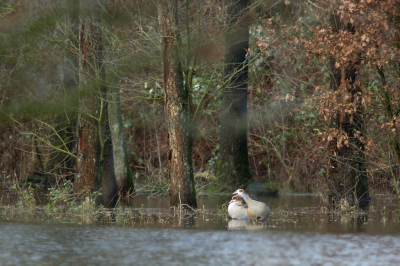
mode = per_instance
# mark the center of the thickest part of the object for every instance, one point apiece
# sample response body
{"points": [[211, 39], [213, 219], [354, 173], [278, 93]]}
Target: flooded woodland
{"points": [[146, 231], [199, 132]]}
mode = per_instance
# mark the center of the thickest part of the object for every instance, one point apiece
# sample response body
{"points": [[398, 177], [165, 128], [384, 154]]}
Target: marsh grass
{"points": [[384, 214], [25, 196], [61, 207]]}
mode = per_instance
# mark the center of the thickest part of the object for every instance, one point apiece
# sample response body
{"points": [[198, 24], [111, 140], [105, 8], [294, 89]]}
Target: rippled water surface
{"points": [[299, 232]]}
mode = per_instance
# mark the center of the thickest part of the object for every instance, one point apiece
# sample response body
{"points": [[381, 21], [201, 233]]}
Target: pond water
{"points": [[299, 232]]}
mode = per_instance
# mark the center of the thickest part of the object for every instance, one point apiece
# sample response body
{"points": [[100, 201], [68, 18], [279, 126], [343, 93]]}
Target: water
{"points": [[299, 232]]}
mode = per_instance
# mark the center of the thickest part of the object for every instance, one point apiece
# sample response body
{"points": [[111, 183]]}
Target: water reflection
{"points": [[346, 223], [297, 213], [57, 244], [235, 224], [146, 231]]}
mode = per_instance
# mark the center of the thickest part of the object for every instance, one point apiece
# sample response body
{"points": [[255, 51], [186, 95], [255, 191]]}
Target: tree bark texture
{"points": [[107, 174], [108, 177], [87, 177], [180, 169], [95, 162], [233, 167], [348, 181], [123, 173]]}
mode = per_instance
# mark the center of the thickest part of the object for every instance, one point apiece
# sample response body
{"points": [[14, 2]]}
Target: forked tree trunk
{"points": [[180, 170], [348, 181], [234, 168]]}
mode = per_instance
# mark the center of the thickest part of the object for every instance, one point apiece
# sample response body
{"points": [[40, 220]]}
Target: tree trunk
{"points": [[108, 176], [122, 168], [87, 179], [233, 167], [95, 152], [348, 181], [180, 169]]}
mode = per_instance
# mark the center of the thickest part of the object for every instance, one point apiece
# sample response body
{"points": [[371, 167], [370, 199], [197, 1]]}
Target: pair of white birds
{"points": [[242, 207]]}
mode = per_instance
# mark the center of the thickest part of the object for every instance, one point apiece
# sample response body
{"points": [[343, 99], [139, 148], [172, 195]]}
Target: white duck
{"points": [[237, 208], [256, 210]]}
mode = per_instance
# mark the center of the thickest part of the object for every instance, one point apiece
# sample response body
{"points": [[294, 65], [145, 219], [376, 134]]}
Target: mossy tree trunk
{"points": [[122, 168], [95, 162], [180, 169], [123, 173], [348, 181], [108, 176], [88, 168], [233, 167]]}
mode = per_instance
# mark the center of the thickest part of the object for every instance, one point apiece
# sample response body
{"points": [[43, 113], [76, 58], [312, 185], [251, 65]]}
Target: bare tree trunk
{"points": [[180, 169], [108, 177], [87, 178], [348, 181], [95, 152], [122, 168], [234, 167]]}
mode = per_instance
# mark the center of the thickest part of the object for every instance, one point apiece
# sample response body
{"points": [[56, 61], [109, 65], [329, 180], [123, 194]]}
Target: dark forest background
{"points": [[322, 94]]}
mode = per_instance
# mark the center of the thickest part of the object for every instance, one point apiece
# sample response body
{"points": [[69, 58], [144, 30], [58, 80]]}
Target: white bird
{"points": [[237, 208], [256, 210]]}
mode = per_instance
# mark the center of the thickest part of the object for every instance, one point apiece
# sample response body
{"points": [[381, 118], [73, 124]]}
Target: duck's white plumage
{"points": [[237, 208], [255, 210]]}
